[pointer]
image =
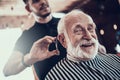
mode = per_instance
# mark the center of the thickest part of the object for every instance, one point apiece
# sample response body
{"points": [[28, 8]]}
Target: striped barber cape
{"points": [[102, 67]]}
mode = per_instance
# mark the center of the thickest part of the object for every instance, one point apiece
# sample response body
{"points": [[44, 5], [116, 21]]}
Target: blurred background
{"points": [[14, 19]]}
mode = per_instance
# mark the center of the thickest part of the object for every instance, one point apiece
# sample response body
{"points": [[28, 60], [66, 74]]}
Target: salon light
{"points": [[115, 27], [102, 32]]}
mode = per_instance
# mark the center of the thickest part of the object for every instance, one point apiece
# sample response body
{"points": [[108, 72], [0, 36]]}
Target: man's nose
{"points": [[42, 2], [87, 35]]}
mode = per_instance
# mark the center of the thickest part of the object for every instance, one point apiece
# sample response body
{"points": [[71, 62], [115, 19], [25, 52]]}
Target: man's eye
{"points": [[91, 28], [35, 1], [78, 31]]}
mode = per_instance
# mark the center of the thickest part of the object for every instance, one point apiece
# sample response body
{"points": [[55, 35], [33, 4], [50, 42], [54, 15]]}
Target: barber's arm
{"points": [[14, 65], [39, 51]]}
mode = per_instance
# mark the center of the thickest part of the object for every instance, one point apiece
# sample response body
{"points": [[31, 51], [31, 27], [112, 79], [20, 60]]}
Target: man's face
{"points": [[82, 39], [39, 7]]}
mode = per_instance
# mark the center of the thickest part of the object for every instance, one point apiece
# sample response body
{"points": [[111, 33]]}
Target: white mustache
{"points": [[86, 42]]}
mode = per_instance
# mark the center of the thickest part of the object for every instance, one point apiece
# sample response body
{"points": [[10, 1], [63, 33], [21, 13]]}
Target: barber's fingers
{"points": [[52, 53], [46, 38], [45, 41]]}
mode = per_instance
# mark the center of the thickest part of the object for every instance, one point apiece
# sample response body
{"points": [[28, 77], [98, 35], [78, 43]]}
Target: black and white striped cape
{"points": [[102, 67]]}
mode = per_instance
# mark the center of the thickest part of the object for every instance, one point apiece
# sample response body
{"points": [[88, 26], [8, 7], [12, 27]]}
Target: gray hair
{"points": [[62, 23]]}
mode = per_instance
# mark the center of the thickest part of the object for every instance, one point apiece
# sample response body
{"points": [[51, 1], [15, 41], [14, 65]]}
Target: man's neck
{"points": [[75, 59], [43, 20]]}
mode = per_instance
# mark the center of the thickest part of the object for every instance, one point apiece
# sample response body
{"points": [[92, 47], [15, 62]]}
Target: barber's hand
{"points": [[39, 50]]}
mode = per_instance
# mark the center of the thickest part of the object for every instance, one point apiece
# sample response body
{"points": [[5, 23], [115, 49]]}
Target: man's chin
{"points": [[87, 55], [44, 15], [84, 57], [90, 55]]}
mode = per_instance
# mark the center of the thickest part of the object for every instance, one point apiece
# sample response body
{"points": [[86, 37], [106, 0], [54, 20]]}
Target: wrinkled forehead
{"points": [[77, 18]]}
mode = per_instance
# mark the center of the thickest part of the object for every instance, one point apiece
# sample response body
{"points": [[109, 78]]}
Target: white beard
{"points": [[76, 53]]}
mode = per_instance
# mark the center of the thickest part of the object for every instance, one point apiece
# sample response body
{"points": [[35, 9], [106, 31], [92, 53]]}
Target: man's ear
{"points": [[28, 8], [62, 40]]}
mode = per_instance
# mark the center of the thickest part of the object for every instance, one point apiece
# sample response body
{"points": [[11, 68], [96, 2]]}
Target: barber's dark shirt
{"points": [[28, 37]]}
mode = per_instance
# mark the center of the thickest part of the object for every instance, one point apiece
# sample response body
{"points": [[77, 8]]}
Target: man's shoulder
{"points": [[30, 29], [61, 65], [57, 69], [55, 20], [109, 57]]}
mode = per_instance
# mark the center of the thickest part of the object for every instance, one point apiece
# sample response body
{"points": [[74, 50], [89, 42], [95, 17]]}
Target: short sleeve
{"points": [[22, 44]]}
